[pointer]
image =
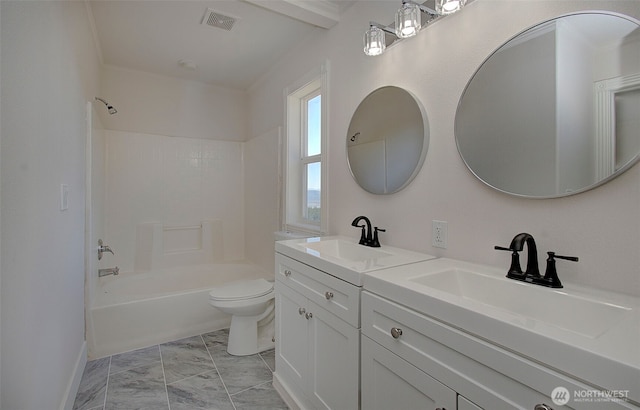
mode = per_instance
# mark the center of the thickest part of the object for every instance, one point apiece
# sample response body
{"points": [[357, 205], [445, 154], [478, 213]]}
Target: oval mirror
{"points": [[387, 140], [555, 110]]}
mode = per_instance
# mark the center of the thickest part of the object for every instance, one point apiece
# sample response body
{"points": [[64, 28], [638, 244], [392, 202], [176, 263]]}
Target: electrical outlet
{"points": [[439, 234]]}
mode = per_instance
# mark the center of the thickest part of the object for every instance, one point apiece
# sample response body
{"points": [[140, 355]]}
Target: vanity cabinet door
{"points": [[291, 336], [464, 404], [317, 353], [334, 364], [389, 382]]}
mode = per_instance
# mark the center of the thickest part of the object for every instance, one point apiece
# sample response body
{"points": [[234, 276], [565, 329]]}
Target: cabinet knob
{"points": [[309, 315], [396, 332], [542, 406], [287, 273], [328, 295], [301, 311]]}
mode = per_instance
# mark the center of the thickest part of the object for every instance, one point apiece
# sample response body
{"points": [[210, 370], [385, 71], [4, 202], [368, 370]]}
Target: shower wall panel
{"points": [[175, 181]]}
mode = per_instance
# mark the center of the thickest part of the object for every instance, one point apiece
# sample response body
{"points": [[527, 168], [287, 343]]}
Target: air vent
{"points": [[214, 19]]}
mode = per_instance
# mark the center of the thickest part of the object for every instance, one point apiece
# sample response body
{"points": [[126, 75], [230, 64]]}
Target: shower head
{"points": [[110, 107]]}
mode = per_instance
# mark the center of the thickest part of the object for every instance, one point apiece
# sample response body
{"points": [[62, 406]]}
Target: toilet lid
{"points": [[242, 289]]}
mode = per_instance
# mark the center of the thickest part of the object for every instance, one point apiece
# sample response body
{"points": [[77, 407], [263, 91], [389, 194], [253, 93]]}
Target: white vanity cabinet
{"points": [[389, 382], [317, 337], [410, 360], [464, 404]]}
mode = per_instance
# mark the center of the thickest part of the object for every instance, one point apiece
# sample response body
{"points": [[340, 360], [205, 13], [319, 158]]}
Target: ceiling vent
{"points": [[214, 19]]}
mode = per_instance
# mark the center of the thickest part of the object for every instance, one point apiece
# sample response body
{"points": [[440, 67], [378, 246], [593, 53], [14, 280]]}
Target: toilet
{"points": [[251, 306]]}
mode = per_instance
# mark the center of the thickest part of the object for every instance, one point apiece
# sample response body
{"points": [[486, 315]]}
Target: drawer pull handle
{"points": [[396, 332], [301, 311], [542, 407], [287, 273], [309, 315], [328, 295]]}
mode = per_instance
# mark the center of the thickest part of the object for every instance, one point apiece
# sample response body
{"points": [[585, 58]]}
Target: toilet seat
{"points": [[242, 289]]}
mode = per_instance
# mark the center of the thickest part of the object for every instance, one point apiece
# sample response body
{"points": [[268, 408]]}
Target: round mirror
{"points": [[555, 110], [387, 140]]}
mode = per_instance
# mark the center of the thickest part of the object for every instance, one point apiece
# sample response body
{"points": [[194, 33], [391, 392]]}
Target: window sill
{"points": [[304, 229]]}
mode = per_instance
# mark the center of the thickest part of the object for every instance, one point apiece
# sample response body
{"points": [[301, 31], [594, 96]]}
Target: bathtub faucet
{"points": [[108, 271], [103, 248]]}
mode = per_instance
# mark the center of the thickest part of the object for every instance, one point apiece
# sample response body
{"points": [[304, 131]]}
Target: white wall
{"points": [[49, 72], [0, 223], [155, 104], [261, 193], [601, 226]]}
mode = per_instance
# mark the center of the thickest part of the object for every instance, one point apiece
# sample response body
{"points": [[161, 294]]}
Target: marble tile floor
{"points": [[192, 373]]}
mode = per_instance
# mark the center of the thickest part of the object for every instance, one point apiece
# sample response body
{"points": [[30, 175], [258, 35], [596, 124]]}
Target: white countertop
{"points": [[607, 355], [353, 263]]}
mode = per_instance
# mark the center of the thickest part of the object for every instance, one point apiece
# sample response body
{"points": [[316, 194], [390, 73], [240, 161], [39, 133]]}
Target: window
{"points": [[305, 152]]}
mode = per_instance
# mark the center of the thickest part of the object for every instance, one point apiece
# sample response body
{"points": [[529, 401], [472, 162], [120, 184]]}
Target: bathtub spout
{"points": [[108, 271]]}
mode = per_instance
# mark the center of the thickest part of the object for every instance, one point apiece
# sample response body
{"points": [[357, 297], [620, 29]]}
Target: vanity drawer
{"points": [[388, 382], [337, 296], [489, 376]]}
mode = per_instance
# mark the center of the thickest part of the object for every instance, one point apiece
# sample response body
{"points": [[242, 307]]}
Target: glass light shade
{"points": [[444, 7], [374, 41], [408, 21]]}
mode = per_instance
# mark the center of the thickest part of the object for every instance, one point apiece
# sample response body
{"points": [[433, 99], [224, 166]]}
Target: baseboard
{"points": [[284, 393], [74, 383]]}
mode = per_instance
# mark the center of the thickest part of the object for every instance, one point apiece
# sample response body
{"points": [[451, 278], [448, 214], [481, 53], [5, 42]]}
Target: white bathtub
{"points": [[134, 310]]}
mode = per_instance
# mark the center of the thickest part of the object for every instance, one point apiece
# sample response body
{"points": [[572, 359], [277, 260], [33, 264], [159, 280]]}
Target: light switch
{"points": [[64, 197]]}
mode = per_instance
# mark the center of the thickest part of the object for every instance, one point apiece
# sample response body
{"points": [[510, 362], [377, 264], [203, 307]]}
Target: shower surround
{"points": [[174, 181], [173, 212]]}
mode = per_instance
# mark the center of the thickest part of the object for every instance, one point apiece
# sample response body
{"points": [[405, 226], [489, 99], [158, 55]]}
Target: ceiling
{"points": [[156, 35]]}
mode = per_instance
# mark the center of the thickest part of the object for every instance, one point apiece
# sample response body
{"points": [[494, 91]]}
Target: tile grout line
{"points": [[106, 386], [251, 387], [265, 362], [218, 371], [164, 377], [192, 376]]}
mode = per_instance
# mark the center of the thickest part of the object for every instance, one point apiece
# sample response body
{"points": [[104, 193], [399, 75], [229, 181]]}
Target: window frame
{"points": [[294, 152]]}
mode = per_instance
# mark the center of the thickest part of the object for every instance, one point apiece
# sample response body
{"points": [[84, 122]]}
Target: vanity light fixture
{"points": [[375, 41], [408, 23], [409, 18], [444, 7]]}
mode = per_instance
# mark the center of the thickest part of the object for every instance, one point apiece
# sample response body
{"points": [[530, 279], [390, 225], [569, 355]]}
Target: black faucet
{"points": [[366, 237], [532, 274], [375, 243], [550, 278], [517, 245]]}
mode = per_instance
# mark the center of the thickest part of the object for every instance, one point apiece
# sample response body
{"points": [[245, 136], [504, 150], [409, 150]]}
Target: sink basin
{"points": [[344, 258], [341, 249], [587, 317]]}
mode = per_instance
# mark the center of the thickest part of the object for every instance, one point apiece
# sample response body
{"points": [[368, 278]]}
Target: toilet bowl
{"points": [[251, 306]]}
